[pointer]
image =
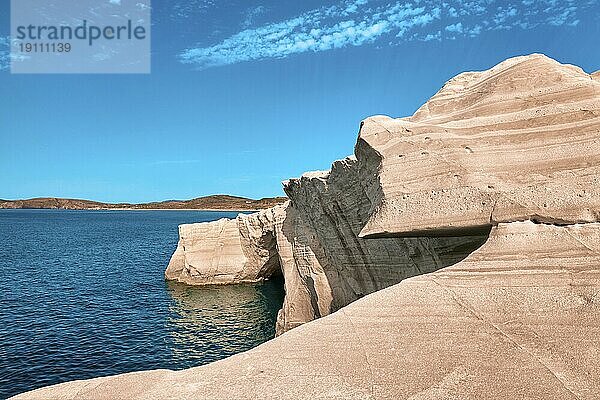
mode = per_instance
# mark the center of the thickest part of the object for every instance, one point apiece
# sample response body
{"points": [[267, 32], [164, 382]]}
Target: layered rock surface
{"points": [[313, 240], [228, 250], [326, 265], [519, 141], [517, 318]]}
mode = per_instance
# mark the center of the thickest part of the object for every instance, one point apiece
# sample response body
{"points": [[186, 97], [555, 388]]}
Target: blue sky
{"points": [[243, 95]]}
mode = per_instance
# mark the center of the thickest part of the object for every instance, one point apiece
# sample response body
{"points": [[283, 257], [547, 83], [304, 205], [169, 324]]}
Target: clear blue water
{"points": [[83, 295]]}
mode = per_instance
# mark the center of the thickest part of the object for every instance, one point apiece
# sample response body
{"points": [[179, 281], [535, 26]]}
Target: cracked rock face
{"points": [[328, 265], [519, 141]]}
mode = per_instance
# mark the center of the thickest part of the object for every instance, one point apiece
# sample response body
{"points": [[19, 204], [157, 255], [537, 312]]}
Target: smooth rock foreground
{"points": [[517, 318]]}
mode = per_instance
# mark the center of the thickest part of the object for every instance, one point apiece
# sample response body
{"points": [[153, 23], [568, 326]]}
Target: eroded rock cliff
{"points": [[514, 149], [228, 250], [519, 141], [313, 240], [328, 265]]}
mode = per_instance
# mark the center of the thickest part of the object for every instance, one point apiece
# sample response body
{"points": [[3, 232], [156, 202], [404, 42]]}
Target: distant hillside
{"points": [[217, 202]]}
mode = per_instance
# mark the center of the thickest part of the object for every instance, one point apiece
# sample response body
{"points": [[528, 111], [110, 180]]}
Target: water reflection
{"points": [[210, 323], [83, 295]]}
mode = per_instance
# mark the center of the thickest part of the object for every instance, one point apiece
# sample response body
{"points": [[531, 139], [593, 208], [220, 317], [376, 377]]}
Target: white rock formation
{"points": [[228, 250], [514, 149], [328, 265], [519, 141], [489, 147], [314, 242]]}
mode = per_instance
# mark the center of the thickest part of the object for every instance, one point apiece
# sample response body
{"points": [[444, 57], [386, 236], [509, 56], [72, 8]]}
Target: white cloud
{"points": [[455, 28], [433, 36], [505, 13], [350, 23], [473, 31], [360, 22], [189, 9], [4, 52], [562, 18], [116, 2], [5, 55]]}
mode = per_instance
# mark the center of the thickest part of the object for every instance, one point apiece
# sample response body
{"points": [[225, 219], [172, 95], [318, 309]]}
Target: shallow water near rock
{"points": [[83, 295]]}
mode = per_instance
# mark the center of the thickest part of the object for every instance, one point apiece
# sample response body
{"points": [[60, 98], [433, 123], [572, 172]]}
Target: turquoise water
{"points": [[83, 295]]}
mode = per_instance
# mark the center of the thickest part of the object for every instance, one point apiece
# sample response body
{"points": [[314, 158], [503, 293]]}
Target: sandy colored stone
{"points": [[228, 250], [519, 141], [518, 318], [326, 265], [313, 241]]}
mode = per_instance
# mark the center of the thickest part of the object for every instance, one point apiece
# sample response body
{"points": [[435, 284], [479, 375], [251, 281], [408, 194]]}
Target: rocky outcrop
{"points": [[520, 141], [517, 142], [326, 265], [514, 150], [518, 318], [228, 250], [313, 241]]}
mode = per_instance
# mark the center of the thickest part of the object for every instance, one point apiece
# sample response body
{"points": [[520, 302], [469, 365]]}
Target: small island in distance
{"points": [[215, 202]]}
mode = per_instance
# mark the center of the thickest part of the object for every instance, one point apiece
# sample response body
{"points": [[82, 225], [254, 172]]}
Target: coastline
{"points": [[172, 209], [208, 203], [138, 209]]}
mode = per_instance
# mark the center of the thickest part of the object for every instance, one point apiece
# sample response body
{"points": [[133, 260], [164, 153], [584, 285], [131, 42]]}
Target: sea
{"points": [[83, 295]]}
